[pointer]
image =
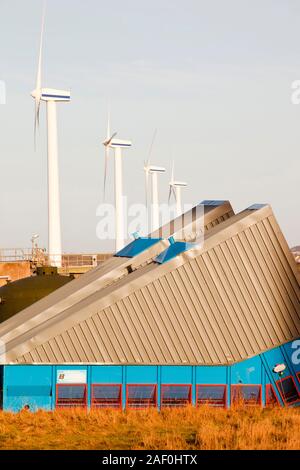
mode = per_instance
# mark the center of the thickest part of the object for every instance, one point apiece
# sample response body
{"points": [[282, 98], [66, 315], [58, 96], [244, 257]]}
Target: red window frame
{"points": [[237, 386], [96, 405], [179, 405], [279, 388], [150, 405], [75, 405], [211, 402], [270, 387]]}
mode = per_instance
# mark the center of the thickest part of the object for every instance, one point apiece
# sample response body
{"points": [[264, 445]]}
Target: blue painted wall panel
{"points": [[36, 385], [106, 374], [142, 374], [292, 350], [27, 385], [247, 372], [273, 357], [211, 375], [176, 374]]}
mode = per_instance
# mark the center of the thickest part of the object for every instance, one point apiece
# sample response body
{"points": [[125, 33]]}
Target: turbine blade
{"points": [[111, 138], [172, 172], [36, 121], [175, 193], [170, 195], [108, 125], [151, 146], [38, 85], [172, 192]]}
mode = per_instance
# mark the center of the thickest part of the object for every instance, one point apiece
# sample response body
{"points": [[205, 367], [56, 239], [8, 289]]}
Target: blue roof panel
{"points": [[137, 246], [256, 207], [212, 202]]}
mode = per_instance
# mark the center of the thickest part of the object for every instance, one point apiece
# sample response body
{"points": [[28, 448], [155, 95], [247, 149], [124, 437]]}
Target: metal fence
{"points": [[8, 255], [40, 257]]}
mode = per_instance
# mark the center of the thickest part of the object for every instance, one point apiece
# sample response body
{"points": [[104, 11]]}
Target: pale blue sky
{"points": [[214, 77]]}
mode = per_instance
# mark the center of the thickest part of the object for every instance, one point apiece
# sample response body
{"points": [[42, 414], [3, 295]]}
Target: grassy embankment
{"points": [[188, 428]]}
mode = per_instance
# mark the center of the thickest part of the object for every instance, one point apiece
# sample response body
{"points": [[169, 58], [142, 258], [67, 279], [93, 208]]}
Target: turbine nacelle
{"points": [[154, 169], [178, 184], [117, 144], [51, 94], [120, 143]]}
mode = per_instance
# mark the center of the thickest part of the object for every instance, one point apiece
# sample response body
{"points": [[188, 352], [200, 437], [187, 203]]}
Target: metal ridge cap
{"points": [[234, 225], [209, 213]]}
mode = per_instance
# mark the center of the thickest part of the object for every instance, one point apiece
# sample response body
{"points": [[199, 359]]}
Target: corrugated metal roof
{"points": [[233, 298], [92, 282]]}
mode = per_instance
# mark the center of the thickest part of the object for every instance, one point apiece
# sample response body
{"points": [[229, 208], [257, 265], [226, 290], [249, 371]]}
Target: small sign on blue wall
{"points": [[71, 376]]}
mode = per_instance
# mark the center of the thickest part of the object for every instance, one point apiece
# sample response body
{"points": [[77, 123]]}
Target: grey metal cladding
{"points": [[105, 274], [231, 299]]}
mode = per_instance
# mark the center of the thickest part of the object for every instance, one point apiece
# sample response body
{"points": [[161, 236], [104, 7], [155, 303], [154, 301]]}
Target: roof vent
{"points": [[175, 249], [136, 235], [172, 240]]}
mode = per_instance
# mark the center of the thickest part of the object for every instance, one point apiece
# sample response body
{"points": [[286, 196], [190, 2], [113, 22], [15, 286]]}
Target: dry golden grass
{"points": [[190, 428]]}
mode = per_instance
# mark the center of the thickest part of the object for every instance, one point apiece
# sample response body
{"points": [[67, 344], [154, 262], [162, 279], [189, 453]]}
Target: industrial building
{"points": [[167, 322]]}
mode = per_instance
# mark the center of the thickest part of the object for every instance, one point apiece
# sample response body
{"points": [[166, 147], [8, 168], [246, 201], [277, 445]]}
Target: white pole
{"points": [[119, 200], [54, 233], [178, 201], [155, 206]]}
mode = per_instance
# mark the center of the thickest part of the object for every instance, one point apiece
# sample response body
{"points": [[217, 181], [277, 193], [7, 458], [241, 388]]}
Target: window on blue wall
{"points": [[271, 397], [248, 395], [106, 396], [141, 396], [71, 396], [287, 389], [176, 395], [212, 395]]}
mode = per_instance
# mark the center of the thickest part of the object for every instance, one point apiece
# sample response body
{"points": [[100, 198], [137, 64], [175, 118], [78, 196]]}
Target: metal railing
{"points": [[39, 257], [15, 254], [83, 259]]}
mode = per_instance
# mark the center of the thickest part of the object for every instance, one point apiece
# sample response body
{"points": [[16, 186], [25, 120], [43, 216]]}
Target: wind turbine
{"points": [[175, 189], [51, 96], [153, 171], [117, 145]]}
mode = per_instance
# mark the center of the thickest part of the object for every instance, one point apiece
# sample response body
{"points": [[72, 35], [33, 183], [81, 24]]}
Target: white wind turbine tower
{"points": [[153, 171], [117, 145], [51, 97], [175, 189]]}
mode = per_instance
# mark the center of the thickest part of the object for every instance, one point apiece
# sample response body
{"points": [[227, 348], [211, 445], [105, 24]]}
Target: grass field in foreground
{"points": [[190, 428]]}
